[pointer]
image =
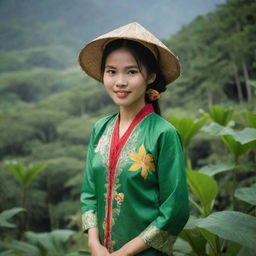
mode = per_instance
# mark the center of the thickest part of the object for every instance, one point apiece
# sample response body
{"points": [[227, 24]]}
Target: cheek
{"points": [[107, 82]]}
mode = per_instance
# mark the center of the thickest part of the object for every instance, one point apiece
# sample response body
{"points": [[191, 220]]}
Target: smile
{"points": [[122, 94]]}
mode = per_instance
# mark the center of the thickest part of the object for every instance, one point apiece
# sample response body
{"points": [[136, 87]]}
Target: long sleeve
{"points": [[173, 195], [88, 196]]}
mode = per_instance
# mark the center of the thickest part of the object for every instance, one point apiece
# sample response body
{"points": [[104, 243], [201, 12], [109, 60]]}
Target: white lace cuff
{"points": [[158, 239], [89, 220]]}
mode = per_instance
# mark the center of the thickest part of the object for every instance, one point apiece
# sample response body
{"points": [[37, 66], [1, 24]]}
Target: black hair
{"points": [[144, 57]]}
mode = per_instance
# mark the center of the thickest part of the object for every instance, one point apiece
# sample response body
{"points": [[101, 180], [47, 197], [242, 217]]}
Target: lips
{"points": [[122, 94]]}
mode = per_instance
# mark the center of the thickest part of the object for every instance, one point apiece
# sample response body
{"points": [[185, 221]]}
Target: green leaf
{"points": [[232, 248], [187, 126], [211, 239], [252, 83], [191, 223], [230, 225], [33, 171], [44, 241], [17, 169], [247, 194], [246, 252], [23, 174], [246, 135], [229, 136], [24, 247], [52, 242], [60, 237], [191, 234], [7, 214], [211, 170], [251, 117], [8, 253], [220, 115], [216, 129], [236, 148], [182, 246], [204, 188]]}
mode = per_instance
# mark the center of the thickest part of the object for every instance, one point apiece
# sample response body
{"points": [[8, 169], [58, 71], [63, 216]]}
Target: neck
{"points": [[128, 114]]}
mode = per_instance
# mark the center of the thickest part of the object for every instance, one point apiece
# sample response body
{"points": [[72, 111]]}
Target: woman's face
{"points": [[124, 80]]}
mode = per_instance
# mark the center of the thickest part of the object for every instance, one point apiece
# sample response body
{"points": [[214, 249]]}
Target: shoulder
{"points": [[101, 123], [165, 133], [161, 125]]}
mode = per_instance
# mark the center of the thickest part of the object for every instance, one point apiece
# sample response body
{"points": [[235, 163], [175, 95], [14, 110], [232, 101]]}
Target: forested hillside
{"points": [[48, 106], [217, 52]]}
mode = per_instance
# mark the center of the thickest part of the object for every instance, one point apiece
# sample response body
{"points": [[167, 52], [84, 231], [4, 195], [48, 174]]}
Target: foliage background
{"points": [[47, 105]]}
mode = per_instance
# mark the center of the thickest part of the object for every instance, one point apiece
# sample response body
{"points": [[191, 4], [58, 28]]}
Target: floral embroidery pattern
{"points": [[158, 239], [89, 220], [101, 144], [143, 161], [119, 198]]}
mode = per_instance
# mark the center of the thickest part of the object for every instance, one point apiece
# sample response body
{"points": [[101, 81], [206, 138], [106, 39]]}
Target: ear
{"points": [[151, 78]]}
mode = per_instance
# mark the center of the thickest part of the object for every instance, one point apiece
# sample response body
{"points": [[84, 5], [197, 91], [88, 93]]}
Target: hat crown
{"points": [[91, 55], [133, 30]]}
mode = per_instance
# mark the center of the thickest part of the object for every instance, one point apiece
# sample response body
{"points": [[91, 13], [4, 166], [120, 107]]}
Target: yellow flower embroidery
{"points": [[119, 197], [143, 161]]}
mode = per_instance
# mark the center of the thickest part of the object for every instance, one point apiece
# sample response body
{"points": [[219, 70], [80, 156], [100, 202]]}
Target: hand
{"points": [[131, 248], [96, 248], [99, 250], [121, 252]]}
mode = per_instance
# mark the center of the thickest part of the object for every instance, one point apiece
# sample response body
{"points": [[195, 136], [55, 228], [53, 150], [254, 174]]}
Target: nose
{"points": [[121, 82]]}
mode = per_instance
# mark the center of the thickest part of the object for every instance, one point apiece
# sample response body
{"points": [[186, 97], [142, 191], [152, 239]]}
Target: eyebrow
{"points": [[128, 67]]}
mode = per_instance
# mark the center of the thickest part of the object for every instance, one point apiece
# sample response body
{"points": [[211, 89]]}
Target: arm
{"points": [[173, 194], [96, 248], [133, 247], [88, 206], [88, 197]]}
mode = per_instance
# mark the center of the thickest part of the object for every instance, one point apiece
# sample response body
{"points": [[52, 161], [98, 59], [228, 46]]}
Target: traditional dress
{"points": [[135, 185]]}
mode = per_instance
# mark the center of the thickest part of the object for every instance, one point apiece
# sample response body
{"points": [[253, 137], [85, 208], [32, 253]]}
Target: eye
{"points": [[133, 71], [110, 71]]}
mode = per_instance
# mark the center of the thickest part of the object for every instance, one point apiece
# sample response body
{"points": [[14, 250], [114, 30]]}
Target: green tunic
{"points": [[135, 185]]}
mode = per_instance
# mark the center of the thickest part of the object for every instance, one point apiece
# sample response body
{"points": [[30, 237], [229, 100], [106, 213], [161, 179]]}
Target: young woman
{"points": [[134, 198]]}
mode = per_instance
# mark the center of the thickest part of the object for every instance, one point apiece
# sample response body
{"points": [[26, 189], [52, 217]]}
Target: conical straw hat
{"points": [[91, 55]]}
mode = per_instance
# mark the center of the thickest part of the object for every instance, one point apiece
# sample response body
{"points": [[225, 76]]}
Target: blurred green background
{"points": [[48, 106]]}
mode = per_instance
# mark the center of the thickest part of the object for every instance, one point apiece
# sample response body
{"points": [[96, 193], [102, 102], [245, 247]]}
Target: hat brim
{"points": [[91, 55]]}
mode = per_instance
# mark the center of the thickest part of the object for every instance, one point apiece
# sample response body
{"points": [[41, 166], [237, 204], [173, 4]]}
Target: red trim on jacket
{"points": [[115, 151]]}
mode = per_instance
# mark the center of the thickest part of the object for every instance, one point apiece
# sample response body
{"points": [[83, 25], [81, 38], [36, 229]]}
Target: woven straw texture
{"points": [[91, 55]]}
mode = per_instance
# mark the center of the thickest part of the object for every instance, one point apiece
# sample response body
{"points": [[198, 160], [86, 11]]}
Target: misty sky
{"points": [[161, 17]]}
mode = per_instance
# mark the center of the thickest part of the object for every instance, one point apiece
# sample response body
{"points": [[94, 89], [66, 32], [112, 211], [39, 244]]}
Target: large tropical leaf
{"points": [[24, 248], [230, 225], [53, 242], [244, 136], [251, 117], [8, 253], [247, 194], [191, 234], [236, 141], [7, 214], [211, 170], [216, 129], [187, 126], [204, 188], [182, 246], [236, 148], [23, 174], [220, 115], [246, 252]]}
